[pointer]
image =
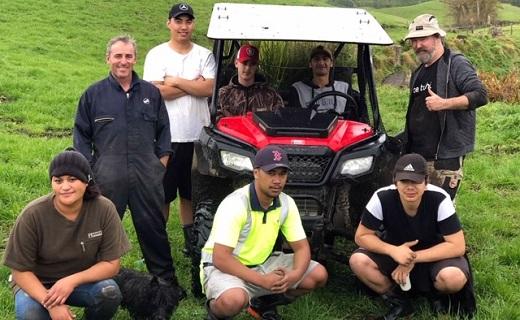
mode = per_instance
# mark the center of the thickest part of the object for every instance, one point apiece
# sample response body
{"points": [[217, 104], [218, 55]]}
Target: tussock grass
{"points": [[502, 88]]}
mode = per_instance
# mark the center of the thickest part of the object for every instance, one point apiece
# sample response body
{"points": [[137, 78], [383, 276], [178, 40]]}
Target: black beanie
{"points": [[70, 163]]}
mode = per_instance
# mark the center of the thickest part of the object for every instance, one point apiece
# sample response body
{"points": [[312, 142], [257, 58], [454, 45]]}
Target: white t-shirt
{"points": [[188, 114]]}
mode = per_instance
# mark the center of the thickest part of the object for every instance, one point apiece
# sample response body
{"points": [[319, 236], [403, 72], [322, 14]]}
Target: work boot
{"points": [[400, 306], [211, 315], [438, 303], [264, 307], [187, 230]]}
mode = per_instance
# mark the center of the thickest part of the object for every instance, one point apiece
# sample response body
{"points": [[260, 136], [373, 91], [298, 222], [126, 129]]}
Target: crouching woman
{"points": [[65, 247]]}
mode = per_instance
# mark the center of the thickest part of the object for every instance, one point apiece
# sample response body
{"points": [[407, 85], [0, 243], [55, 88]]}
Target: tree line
{"points": [[374, 3], [465, 13]]}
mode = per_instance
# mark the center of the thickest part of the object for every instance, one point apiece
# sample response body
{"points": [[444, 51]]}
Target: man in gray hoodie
{"points": [[444, 93]]}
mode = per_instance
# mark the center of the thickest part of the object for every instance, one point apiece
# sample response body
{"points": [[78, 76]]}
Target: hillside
{"points": [[396, 19], [498, 55]]}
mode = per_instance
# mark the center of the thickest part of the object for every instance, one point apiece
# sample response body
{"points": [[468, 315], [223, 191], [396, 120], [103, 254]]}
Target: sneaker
{"points": [[400, 307], [266, 314], [263, 308]]}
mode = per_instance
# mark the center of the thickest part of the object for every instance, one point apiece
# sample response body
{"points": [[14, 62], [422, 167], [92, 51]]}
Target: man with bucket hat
{"points": [[422, 248], [444, 94], [239, 267], [247, 90]]}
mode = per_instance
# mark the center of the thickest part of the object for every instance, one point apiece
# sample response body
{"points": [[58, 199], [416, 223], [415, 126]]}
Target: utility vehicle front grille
{"points": [[308, 168], [308, 207], [311, 201]]}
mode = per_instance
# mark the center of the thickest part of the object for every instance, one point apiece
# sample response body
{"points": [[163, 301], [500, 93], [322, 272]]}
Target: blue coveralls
{"points": [[123, 135]]}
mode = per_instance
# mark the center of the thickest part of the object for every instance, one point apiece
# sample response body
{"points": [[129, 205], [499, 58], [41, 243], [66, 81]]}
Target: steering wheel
{"points": [[350, 103]]}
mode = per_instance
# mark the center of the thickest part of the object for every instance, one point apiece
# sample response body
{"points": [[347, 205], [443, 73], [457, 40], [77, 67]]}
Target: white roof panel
{"points": [[280, 22]]}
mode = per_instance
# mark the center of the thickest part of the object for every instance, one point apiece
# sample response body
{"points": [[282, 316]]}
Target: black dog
{"points": [[148, 297]]}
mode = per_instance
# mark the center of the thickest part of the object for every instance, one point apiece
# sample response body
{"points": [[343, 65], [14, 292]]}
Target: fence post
{"points": [[397, 54]]}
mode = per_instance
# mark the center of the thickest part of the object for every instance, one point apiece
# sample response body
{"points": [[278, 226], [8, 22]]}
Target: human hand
{"points": [[273, 280], [170, 81], [403, 254], [288, 279], [400, 273], [61, 312], [59, 293], [434, 102]]}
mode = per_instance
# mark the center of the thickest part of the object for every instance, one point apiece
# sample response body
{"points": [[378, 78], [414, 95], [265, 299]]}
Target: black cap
{"points": [[70, 163], [410, 167], [181, 8], [271, 157]]}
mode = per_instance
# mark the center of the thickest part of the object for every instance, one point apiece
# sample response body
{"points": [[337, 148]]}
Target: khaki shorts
{"points": [[447, 179], [215, 282]]}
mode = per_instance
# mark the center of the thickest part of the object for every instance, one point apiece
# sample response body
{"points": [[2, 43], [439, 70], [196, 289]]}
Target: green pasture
{"points": [[51, 52]]}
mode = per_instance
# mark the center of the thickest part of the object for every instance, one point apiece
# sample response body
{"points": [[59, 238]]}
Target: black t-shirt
{"points": [[435, 217], [423, 124]]}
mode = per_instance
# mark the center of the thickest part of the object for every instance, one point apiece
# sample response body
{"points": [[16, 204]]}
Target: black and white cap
{"points": [[181, 8], [410, 167]]}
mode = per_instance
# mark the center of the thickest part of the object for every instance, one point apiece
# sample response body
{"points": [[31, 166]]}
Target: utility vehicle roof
{"points": [[300, 23]]}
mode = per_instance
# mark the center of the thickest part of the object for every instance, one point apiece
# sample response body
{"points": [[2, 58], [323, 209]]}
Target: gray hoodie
{"points": [[455, 77]]}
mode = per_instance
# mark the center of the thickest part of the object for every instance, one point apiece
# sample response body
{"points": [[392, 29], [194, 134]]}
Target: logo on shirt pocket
{"points": [[95, 234]]}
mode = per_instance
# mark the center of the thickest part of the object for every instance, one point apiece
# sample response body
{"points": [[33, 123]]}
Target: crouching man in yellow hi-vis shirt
{"points": [[239, 267]]}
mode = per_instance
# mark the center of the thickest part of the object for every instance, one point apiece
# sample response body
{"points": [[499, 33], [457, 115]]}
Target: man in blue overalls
{"points": [[122, 128]]}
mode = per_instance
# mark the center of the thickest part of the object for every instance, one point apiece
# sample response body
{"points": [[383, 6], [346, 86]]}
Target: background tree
{"points": [[469, 13]]}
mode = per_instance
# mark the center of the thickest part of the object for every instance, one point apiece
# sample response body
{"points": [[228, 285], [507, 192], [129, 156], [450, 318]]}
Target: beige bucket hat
{"points": [[423, 26]]}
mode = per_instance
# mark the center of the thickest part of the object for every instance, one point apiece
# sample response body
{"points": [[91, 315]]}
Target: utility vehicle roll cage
{"points": [[232, 24]]}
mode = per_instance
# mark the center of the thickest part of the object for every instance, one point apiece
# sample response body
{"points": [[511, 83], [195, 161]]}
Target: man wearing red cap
{"points": [[247, 91], [239, 266]]}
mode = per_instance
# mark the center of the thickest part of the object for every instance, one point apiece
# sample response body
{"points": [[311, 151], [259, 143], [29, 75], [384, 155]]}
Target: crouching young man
{"points": [[239, 268], [422, 244]]}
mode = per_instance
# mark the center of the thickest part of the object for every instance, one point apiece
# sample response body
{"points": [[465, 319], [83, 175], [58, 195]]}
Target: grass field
{"points": [[51, 52]]}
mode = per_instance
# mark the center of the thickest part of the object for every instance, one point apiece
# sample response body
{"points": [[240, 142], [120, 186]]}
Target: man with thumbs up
{"points": [[422, 244], [444, 94]]}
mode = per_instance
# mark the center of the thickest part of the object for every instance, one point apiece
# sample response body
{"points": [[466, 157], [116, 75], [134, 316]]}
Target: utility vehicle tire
{"points": [[344, 213], [207, 194]]}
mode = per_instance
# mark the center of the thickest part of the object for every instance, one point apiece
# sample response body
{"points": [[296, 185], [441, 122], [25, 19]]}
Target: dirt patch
{"points": [[498, 149], [10, 119], [48, 133], [3, 99], [396, 79]]}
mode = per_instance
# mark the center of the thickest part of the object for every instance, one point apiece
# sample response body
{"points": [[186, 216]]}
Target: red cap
{"points": [[247, 52]]}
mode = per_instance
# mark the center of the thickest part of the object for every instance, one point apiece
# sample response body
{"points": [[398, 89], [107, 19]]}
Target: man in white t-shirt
{"points": [[184, 72]]}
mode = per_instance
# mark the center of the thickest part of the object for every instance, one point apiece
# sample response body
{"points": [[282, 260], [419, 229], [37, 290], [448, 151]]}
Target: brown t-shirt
{"points": [[44, 242]]}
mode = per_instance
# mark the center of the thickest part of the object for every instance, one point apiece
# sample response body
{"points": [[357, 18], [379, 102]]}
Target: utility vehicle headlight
{"points": [[235, 161], [357, 166]]}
